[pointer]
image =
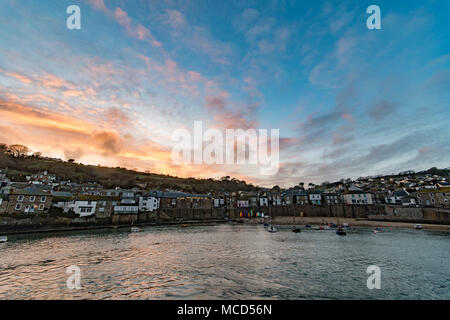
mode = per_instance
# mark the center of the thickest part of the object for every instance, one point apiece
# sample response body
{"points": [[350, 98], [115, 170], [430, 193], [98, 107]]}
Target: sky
{"points": [[348, 101]]}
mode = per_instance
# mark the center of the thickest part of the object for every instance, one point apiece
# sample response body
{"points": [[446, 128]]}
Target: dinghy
{"points": [[135, 229], [341, 232], [271, 229], [3, 239], [296, 229], [418, 226]]}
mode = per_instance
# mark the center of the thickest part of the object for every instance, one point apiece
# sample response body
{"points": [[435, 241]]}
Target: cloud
{"points": [[134, 30], [382, 109]]}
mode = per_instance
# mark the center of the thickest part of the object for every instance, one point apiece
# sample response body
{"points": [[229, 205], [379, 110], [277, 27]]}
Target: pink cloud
{"points": [[136, 31]]}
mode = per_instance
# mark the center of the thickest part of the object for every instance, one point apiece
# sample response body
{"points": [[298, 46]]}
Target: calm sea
{"points": [[226, 262]]}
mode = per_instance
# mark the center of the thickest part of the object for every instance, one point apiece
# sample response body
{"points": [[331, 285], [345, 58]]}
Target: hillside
{"points": [[19, 166]]}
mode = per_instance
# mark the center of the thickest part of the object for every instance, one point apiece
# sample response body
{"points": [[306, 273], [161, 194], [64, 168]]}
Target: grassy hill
{"points": [[21, 166]]}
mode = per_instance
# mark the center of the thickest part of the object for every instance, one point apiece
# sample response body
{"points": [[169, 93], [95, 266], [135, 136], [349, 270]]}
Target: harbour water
{"points": [[226, 262]]}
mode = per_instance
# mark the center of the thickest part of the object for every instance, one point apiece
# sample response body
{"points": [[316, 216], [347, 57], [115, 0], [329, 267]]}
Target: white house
{"points": [[315, 197], [84, 208], [148, 203], [263, 202], [242, 203], [358, 197]]}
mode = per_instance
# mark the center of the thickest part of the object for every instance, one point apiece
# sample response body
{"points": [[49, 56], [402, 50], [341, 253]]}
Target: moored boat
{"points": [[296, 229], [418, 226], [3, 238], [271, 229], [341, 232], [135, 229], [266, 225]]}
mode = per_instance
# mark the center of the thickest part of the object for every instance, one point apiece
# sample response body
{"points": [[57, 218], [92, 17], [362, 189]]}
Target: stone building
{"points": [[29, 200]]}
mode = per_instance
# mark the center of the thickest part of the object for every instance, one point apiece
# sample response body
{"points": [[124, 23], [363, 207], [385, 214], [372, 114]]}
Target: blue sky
{"points": [[348, 101]]}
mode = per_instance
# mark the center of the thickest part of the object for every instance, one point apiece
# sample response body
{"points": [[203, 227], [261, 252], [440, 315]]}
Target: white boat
{"points": [[271, 229], [418, 226], [345, 225], [3, 238], [135, 229]]}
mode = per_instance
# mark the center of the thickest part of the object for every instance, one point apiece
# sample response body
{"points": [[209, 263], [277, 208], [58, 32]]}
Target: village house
{"points": [[42, 178], [3, 203], [263, 201], [395, 197], [331, 198], [184, 200], [434, 198], [148, 202], [295, 197], [29, 200], [357, 197], [242, 203], [315, 196], [274, 198]]}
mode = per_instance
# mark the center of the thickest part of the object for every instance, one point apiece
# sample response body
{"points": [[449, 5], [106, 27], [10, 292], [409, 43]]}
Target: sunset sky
{"points": [[348, 101]]}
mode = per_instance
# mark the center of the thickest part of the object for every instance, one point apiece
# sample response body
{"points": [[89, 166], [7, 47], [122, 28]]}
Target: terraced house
{"points": [[29, 200], [434, 198]]}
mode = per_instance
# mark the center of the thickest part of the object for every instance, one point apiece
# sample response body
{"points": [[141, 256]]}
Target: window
{"points": [[41, 207], [18, 206], [20, 198], [43, 198], [32, 198]]}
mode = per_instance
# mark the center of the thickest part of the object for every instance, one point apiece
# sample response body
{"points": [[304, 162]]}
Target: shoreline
{"points": [[275, 221], [356, 222], [110, 226]]}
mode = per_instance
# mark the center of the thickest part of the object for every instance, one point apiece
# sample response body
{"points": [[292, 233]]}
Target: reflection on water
{"points": [[226, 262]]}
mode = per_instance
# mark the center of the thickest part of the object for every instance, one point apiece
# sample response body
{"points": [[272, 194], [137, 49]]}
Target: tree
{"points": [[71, 160], [37, 155], [3, 148], [18, 150], [276, 188]]}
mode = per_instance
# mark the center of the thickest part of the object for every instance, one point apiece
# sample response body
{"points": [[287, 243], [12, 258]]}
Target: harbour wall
{"points": [[184, 215]]}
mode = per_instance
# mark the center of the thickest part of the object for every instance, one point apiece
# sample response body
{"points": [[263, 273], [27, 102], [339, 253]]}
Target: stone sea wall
{"points": [[182, 215]]}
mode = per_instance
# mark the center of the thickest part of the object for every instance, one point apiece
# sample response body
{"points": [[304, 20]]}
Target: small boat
{"points": [[271, 229], [377, 230], [418, 226], [341, 232], [266, 225], [308, 226], [296, 230], [3, 239], [345, 225], [135, 229]]}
